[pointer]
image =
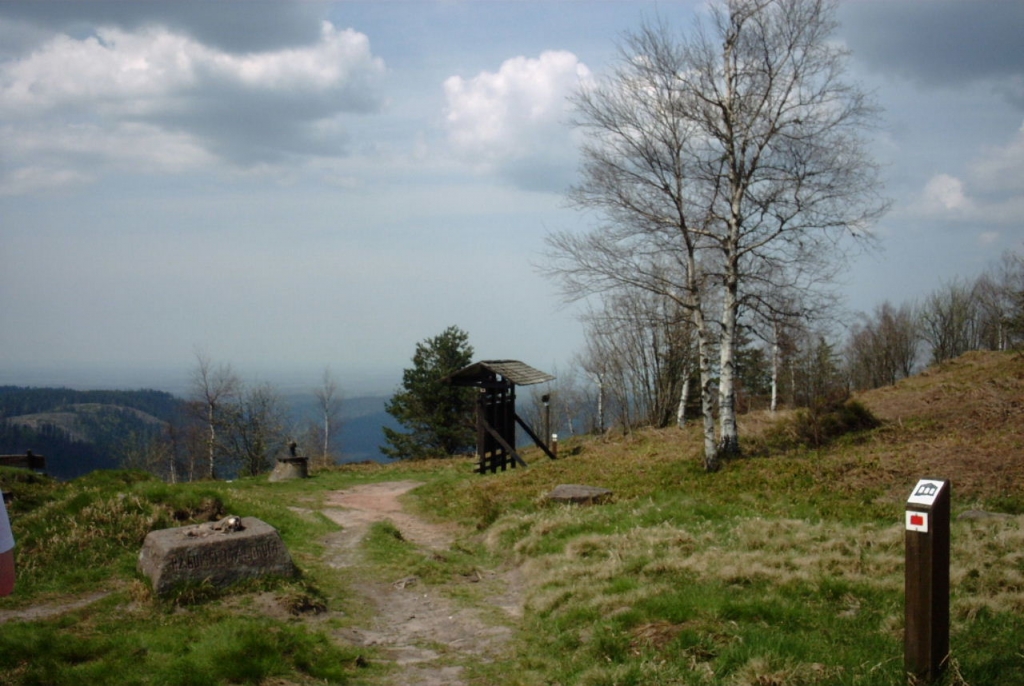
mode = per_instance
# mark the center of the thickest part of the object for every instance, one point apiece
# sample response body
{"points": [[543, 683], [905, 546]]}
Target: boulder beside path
{"points": [[220, 553], [580, 495]]}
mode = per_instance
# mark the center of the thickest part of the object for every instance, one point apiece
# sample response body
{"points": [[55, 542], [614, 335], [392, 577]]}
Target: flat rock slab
{"points": [[220, 553], [581, 495]]}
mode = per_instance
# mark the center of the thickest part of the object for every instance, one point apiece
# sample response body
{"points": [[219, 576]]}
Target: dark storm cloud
{"points": [[236, 26], [938, 42], [249, 128]]}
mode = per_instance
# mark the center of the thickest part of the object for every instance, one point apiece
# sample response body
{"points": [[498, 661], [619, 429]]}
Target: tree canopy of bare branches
{"points": [[721, 163], [213, 390]]}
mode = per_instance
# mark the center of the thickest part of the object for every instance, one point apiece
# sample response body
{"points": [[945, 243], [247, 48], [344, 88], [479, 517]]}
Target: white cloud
{"points": [[945, 193], [980, 200], [339, 58], [167, 102], [1002, 168], [73, 155], [127, 71], [513, 121], [39, 178], [111, 69], [987, 238], [140, 146], [991, 192]]}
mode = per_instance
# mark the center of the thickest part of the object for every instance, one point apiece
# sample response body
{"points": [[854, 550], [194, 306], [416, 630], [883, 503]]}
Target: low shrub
{"points": [[818, 426]]}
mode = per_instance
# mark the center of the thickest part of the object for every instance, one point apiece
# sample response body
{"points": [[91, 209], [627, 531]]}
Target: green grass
{"points": [[784, 569], [81, 537], [206, 647], [685, 578]]}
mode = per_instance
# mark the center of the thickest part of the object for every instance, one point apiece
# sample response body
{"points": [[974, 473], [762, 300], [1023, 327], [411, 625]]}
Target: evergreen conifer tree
{"points": [[438, 418]]}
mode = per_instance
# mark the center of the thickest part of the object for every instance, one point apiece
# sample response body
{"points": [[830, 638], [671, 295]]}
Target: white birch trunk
{"points": [[327, 437], [775, 366], [684, 398], [711, 463], [729, 443], [211, 442]]}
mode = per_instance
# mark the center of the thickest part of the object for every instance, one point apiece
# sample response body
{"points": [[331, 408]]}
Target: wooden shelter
{"points": [[496, 416]]}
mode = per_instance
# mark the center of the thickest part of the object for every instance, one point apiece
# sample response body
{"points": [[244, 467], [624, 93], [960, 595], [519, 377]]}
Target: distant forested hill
{"points": [[79, 431]]}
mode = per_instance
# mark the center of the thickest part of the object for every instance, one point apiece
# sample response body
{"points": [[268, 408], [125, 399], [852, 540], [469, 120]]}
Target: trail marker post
{"points": [[926, 634]]}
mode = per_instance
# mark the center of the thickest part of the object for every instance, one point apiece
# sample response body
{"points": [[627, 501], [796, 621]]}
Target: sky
{"points": [[292, 186]]}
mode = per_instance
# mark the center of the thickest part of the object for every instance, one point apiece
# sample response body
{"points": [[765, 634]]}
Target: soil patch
{"points": [[425, 634], [46, 611], [355, 509]]}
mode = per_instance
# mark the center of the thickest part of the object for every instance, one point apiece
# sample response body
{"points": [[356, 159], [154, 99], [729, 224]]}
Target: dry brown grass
{"points": [[962, 420], [829, 520]]}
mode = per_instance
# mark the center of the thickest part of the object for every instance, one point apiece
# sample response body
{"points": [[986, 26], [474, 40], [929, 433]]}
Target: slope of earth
{"points": [[962, 420]]}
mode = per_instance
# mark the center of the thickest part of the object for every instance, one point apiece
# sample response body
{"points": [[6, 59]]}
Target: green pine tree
{"points": [[438, 418]]}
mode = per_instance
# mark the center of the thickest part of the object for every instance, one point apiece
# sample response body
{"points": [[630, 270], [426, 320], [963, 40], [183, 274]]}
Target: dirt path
{"points": [[425, 634], [48, 610]]}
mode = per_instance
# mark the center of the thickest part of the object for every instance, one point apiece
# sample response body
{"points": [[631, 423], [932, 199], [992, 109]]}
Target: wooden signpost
{"points": [[926, 635]]}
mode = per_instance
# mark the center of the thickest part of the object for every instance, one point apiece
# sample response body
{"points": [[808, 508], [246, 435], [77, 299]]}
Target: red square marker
{"points": [[916, 520]]}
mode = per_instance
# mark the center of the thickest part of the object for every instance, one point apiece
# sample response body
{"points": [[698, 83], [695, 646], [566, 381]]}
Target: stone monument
{"points": [[221, 553], [290, 466]]}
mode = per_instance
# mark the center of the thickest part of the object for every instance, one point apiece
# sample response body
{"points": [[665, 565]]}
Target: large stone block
{"points": [[220, 553], [578, 494]]}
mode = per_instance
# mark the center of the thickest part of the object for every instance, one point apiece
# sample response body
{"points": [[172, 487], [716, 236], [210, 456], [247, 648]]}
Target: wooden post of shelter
{"points": [[29, 460], [496, 416], [37, 463]]}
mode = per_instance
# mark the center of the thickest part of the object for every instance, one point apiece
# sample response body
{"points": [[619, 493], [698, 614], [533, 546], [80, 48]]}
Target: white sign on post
{"points": [[917, 521], [925, 492]]}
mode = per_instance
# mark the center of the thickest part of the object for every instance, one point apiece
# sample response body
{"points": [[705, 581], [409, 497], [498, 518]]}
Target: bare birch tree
{"points": [[328, 403], [999, 292], [883, 348], [213, 389], [256, 426], [950, 321], [733, 155], [646, 340]]}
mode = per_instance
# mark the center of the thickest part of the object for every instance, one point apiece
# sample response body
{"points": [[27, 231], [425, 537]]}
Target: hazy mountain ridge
{"points": [[24, 400], [82, 430], [79, 431], [66, 418]]}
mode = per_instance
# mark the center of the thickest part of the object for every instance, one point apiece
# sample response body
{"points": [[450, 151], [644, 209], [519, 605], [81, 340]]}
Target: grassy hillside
{"points": [[786, 568]]}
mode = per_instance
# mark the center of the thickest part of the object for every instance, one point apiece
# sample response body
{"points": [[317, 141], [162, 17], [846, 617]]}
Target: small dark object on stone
{"points": [[229, 524]]}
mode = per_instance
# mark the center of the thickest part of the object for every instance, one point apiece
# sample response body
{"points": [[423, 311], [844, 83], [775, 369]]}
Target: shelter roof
{"points": [[514, 371]]}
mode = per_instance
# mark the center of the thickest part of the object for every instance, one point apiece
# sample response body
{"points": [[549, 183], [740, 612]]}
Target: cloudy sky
{"points": [[291, 185]]}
